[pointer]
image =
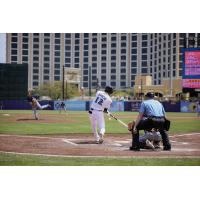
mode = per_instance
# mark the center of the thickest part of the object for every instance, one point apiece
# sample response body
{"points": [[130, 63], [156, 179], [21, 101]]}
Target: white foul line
{"points": [[69, 142]]}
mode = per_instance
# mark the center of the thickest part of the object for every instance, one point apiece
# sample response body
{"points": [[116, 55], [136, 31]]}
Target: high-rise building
{"points": [[115, 58]]}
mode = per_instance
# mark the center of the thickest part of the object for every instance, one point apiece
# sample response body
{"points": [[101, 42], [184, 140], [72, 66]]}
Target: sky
{"points": [[2, 47]]}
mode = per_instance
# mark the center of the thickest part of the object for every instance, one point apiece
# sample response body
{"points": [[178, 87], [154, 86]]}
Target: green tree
{"points": [[54, 91]]}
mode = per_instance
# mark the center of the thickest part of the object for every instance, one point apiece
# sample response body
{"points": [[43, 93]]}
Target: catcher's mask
{"points": [[109, 89]]}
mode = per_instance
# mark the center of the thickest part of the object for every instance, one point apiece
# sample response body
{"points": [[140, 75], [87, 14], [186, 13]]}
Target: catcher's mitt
{"points": [[131, 125]]}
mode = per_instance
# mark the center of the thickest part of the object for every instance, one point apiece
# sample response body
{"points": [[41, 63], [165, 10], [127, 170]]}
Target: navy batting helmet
{"points": [[109, 89], [150, 95]]}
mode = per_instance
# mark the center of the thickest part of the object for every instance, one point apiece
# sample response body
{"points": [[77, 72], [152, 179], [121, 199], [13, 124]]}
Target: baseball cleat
{"points": [[167, 148], [134, 148], [101, 139]]}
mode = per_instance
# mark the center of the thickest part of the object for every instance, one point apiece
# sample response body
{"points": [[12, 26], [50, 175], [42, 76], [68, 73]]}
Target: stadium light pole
{"points": [[63, 83], [90, 81]]}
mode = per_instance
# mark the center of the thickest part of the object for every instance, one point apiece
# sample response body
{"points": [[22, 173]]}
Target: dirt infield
{"points": [[183, 145]]}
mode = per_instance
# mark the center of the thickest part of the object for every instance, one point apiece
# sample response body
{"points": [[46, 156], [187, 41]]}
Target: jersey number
{"points": [[99, 101]]}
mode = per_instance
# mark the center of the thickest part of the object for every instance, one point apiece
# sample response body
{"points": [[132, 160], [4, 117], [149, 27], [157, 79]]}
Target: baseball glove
{"points": [[34, 103], [131, 125]]}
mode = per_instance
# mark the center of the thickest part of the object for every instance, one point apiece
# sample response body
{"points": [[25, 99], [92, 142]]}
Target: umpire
{"points": [[151, 115]]}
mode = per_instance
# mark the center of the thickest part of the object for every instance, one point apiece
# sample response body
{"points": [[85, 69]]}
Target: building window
{"points": [[144, 57], [47, 53], [35, 58], [123, 70], [57, 35], [103, 52], [123, 64], [77, 35], [113, 71], [113, 64], [144, 70], [134, 44], [25, 46], [14, 39], [14, 45], [56, 78], [123, 57], [14, 52], [144, 44], [57, 72], [113, 38], [47, 34], [46, 59], [123, 84], [144, 37], [57, 59], [14, 58], [113, 45], [86, 35], [35, 64], [123, 44], [123, 37], [122, 51], [85, 59], [103, 64], [85, 53], [134, 51], [77, 54], [24, 58], [76, 48], [36, 52], [103, 71], [103, 45], [46, 77], [134, 57], [25, 40], [35, 39], [68, 35], [113, 57], [57, 66], [76, 60], [134, 64], [103, 58], [77, 42], [94, 58]]}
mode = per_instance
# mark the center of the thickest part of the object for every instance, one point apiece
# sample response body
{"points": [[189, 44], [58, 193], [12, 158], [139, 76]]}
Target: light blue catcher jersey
{"points": [[152, 107]]}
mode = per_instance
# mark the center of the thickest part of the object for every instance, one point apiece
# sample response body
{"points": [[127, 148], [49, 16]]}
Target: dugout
{"points": [[13, 81]]}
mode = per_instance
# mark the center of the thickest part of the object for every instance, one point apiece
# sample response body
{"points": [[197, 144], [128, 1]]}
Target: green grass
{"points": [[7, 159], [79, 123]]}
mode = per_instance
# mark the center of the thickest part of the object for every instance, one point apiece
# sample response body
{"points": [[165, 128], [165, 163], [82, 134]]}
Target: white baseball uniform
{"points": [[101, 101]]}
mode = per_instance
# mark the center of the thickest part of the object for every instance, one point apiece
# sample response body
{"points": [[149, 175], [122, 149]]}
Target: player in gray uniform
{"points": [[100, 104], [35, 104], [151, 115], [150, 139]]}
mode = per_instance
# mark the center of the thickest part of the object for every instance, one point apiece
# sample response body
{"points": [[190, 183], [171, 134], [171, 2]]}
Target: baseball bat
{"points": [[121, 122]]}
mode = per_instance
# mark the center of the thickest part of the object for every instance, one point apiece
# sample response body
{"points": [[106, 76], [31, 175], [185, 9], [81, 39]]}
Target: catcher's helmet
{"points": [[150, 95], [109, 89]]}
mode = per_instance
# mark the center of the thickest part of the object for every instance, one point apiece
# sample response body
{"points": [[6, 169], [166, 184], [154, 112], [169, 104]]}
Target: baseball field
{"points": [[66, 140]]}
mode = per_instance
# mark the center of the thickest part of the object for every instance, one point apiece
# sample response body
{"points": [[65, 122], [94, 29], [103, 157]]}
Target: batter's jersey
{"points": [[152, 107], [101, 101]]}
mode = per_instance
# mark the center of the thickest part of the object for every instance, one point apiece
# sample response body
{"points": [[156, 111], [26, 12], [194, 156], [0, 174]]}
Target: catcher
{"points": [[150, 140], [35, 104]]}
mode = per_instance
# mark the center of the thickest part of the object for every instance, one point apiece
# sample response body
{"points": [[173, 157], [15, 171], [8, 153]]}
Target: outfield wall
{"points": [[117, 106]]}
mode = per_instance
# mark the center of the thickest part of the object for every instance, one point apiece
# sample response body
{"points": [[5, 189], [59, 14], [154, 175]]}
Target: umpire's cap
{"points": [[150, 95], [109, 89]]}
